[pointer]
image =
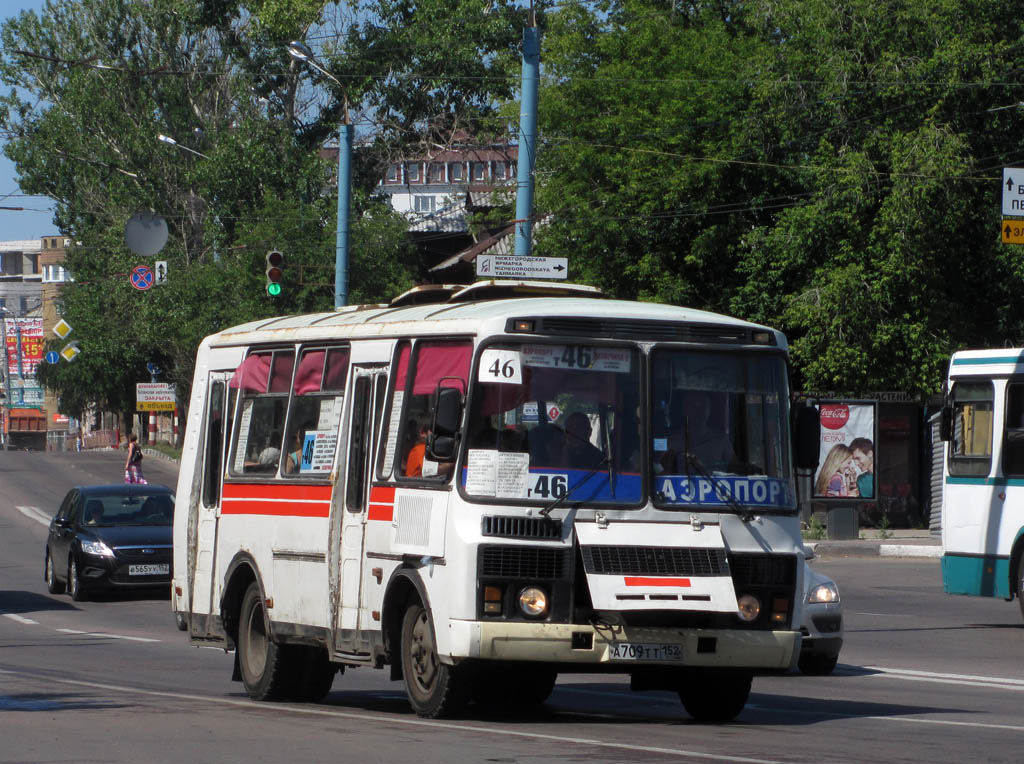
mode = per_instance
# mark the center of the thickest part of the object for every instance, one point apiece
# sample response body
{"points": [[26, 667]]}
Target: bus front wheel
{"points": [[435, 689], [261, 661]]}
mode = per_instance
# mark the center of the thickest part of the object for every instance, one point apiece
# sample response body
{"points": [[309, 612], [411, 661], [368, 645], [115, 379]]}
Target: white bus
{"points": [[983, 477], [482, 487]]}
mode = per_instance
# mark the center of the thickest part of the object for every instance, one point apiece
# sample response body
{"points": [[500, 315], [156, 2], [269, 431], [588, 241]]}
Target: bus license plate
{"points": [[149, 570], [643, 651]]}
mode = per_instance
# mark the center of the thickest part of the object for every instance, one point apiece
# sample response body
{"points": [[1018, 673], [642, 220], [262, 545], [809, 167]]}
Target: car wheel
{"points": [[263, 664], [75, 586], [53, 586], [712, 696], [818, 664], [435, 689]]}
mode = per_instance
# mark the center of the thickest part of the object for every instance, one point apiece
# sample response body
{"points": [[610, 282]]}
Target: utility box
{"points": [[843, 523]]}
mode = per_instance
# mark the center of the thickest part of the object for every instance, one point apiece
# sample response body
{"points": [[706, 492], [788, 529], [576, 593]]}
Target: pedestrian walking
{"points": [[133, 464]]}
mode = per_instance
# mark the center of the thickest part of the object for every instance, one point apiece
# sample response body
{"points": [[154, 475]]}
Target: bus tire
{"points": [[53, 585], [512, 687], [711, 696], [263, 663], [435, 689]]}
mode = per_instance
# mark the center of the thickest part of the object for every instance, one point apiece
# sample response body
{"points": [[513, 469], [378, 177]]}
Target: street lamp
{"points": [[301, 52], [169, 140]]}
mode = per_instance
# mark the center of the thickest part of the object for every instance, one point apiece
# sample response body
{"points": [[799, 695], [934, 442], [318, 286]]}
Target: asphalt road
{"points": [[923, 677]]}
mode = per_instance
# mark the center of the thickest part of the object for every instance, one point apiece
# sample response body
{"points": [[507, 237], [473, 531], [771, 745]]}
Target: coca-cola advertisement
{"points": [[846, 466]]}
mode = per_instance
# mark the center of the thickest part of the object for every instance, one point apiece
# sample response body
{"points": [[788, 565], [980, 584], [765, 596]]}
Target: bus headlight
{"points": [[533, 601], [748, 607]]}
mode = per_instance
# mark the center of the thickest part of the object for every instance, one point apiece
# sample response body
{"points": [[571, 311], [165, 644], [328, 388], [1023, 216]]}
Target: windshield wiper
{"points": [[744, 512], [597, 468]]}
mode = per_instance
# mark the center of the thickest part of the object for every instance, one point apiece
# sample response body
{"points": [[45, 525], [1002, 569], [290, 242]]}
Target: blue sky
{"points": [[36, 220]]}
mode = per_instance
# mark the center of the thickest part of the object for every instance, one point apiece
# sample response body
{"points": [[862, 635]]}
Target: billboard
{"points": [[29, 331], [846, 464]]}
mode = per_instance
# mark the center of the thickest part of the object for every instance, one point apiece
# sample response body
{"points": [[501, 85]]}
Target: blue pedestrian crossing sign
{"points": [[141, 277], [52, 356]]}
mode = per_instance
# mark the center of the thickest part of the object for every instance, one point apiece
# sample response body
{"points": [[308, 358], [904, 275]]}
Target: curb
{"points": [[876, 549]]}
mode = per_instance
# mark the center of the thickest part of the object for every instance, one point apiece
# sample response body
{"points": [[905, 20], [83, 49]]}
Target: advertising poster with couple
{"points": [[846, 464]]}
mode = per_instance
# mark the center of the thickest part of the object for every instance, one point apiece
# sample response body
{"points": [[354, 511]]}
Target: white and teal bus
{"points": [[983, 492], [483, 487]]}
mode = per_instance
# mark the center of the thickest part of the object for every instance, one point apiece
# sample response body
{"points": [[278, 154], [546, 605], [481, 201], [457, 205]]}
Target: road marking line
{"points": [[34, 513], [489, 732], [911, 675], [20, 619], [107, 636]]}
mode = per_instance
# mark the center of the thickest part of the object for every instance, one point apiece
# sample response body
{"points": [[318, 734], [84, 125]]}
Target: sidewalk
{"points": [[898, 543]]}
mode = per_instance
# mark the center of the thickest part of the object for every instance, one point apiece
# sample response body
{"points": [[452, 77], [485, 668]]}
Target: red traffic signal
{"points": [[275, 272]]}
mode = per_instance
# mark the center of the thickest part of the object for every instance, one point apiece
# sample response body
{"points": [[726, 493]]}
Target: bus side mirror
{"points": [[445, 425], [946, 423], [807, 437]]}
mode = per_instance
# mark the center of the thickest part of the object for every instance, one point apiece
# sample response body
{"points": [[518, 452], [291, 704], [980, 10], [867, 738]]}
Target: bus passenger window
{"points": [[970, 450], [1013, 437], [315, 412], [263, 379]]}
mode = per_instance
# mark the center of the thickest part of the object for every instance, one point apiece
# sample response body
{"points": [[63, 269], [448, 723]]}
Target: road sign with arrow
{"points": [[1013, 192], [521, 267]]}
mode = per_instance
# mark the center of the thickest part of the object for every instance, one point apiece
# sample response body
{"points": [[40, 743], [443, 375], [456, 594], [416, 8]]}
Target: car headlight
{"points": [[824, 593], [748, 607], [97, 548], [533, 601]]}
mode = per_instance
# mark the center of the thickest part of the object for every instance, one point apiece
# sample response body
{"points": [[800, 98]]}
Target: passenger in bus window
{"points": [[414, 459], [271, 452], [580, 453], [694, 437], [293, 461]]}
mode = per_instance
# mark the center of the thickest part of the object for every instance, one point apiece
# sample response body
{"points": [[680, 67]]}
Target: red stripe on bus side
{"points": [[640, 581], [382, 512], [274, 491], [382, 494], [276, 508]]}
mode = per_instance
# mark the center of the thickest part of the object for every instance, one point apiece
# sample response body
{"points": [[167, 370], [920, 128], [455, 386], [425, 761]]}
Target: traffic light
{"points": [[275, 272]]}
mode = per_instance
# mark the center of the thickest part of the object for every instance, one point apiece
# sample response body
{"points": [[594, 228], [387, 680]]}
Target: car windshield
{"points": [[719, 430], [118, 509], [553, 421]]}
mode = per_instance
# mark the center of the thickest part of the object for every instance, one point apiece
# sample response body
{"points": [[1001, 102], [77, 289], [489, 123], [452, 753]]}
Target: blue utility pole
{"points": [[344, 202], [527, 139]]}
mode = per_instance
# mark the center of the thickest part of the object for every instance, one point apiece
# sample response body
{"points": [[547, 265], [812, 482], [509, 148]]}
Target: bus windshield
{"points": [[720, 436], [555, 421]]}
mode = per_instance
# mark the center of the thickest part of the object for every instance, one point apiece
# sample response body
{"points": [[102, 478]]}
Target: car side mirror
{"points": [[946, 423], [807, 437], [61, 522]]}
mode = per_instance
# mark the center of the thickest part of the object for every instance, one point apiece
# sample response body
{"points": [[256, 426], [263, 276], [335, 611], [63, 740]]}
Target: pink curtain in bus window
{"points": [[281, 375], [252, 374], [403, 367], [435, 362], [311, 371], [337, 370]]}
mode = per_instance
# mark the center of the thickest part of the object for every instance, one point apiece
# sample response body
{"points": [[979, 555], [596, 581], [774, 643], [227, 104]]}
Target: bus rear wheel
{"points": [[261, 661], [712, 696], [435, 689]]}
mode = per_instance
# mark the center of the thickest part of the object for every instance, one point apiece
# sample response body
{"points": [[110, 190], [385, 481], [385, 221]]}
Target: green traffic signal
{"points": [[275, 272]]}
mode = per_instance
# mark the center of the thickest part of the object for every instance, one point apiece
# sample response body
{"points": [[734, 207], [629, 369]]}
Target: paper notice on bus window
{"points": [[243, 435], [318, 451], [326, 414], [393, 425], [513, 474], [482, 472], [502, 366]]}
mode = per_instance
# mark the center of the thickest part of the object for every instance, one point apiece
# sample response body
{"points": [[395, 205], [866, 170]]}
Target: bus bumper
{"points": [[622, 645]]}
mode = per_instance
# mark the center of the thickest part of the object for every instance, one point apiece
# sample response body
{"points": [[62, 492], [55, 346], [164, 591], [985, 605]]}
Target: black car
{"points": [[110, 537]]}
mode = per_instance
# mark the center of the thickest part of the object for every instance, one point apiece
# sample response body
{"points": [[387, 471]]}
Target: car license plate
{"points": [[644, 651], [149, 570]]}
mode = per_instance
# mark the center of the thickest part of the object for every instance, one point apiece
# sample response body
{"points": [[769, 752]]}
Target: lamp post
{"points": [[171, 142], [301, 52]]}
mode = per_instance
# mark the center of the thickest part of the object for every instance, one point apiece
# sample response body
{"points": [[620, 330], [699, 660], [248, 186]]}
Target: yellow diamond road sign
{"points": [[69, 351], [1013, 231], [62, 328]]}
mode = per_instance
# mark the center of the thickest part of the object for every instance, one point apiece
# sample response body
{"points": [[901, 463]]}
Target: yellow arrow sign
{"points": [[1013, 231]]}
